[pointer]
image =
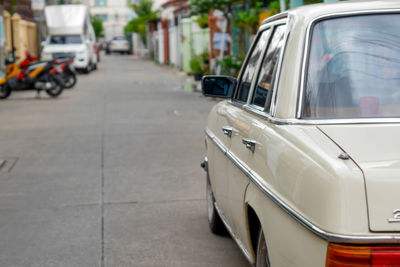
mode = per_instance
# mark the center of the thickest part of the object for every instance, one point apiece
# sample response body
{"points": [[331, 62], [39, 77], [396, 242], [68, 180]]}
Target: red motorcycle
{"points": [[63, 67]]}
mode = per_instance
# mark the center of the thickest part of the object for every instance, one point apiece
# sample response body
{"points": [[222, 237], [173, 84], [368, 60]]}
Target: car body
{"points": [[59, 46], [70, 33], [303, 157], [119, 44]]}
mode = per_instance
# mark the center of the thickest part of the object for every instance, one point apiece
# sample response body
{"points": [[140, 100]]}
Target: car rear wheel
{"points": [[262, 259], [214, 221]]}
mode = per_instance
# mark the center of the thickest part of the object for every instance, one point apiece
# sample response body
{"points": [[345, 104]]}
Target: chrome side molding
{"points": [[328, 236]]}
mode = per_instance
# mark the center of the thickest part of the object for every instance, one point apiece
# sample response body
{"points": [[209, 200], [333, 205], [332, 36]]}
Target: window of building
{"points": [[103, 17], [100, 2]]}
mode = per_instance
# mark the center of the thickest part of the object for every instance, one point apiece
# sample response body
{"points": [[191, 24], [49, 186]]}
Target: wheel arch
{"points": [[254, 200], [253, 224]]}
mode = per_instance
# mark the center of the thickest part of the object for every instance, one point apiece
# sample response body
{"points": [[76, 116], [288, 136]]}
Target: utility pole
{"points": [[38, 7], [283, 5]]}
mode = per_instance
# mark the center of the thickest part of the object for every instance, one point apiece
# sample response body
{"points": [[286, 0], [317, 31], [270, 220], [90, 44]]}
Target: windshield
{"points": [[354, 68], [65, 39]]}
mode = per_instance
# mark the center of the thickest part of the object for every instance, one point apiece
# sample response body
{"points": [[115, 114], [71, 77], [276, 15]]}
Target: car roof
{"points": [[307, 13]]}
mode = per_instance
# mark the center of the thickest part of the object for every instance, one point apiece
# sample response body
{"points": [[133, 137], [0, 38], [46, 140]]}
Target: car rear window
{"points": [[354, 68], [65, 39]]}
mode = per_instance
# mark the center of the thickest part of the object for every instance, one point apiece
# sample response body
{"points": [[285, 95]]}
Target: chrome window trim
{"points": [[246, 59], [272, 26], [306, 53], [328, 236], [275, 17], [278, 121], [288, 23]]}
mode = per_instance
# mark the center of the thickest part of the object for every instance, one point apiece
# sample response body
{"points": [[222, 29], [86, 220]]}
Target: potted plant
{"points": [[196, 64]]}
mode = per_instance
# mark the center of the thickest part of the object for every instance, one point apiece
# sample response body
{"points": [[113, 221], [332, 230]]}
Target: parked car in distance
{"points": [[119, 44], [302, 156]]}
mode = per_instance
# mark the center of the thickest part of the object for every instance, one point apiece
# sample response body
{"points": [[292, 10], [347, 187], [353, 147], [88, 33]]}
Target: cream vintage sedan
{"points": [[303, 156]]}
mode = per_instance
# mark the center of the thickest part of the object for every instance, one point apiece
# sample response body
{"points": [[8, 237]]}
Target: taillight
{"points": [[362, 256]]}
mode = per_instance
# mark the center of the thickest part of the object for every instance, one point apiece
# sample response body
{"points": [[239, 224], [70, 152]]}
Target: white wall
{"points": [[173, 45], [160, 40]]}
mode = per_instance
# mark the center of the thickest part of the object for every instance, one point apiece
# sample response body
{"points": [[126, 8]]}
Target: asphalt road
{"points": [[108, 174]]}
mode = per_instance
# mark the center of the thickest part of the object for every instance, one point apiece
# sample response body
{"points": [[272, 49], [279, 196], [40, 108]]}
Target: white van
{"points": [[70, 34]]}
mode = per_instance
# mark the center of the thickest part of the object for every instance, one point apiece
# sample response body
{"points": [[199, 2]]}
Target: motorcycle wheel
{"points": [[57, 88], [5, 91], [70, 80]]}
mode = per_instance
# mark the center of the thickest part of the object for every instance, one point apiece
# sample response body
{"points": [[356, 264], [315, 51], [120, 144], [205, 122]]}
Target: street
{"points": [[108, 174]]}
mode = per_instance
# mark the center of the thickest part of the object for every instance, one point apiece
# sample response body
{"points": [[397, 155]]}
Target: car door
{"points": [[225, 126], [246, 149]]}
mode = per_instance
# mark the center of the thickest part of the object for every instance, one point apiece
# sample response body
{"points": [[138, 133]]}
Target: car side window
{"points": [[266, 79], [250, 68]]}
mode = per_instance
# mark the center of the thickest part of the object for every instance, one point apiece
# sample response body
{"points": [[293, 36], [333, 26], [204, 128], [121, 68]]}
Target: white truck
{"points": [[70, 33]]}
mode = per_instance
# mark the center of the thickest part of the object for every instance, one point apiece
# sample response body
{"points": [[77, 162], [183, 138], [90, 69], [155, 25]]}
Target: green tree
{"points": [[97, 26], [249, 18], [202, 7], [144, 12]]}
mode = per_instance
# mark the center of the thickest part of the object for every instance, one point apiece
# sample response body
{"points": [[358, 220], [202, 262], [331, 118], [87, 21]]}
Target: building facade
{"points": [[115, 14]]}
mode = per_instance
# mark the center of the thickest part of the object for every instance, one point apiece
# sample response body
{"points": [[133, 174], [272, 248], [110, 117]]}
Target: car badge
{"points": [[396, 216]]}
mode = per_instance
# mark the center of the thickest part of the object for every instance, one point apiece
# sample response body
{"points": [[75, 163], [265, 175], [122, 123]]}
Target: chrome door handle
{"points": [[227, 130], [250, 144]]}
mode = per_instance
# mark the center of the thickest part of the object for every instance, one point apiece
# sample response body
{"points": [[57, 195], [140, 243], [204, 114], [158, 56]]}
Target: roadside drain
{"points": [[7, 163]]}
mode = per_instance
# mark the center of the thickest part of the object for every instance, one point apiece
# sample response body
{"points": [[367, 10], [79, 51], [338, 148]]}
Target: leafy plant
{"points": [[97, 26], [200, 7], [202, 21], [196, 63], [205, 69], [144, 12], [230, 65], [274, 6], [248, 19]]}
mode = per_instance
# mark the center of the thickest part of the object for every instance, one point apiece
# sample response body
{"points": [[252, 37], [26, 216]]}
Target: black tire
{"points": [[214, 220], [70, 80], [262, 259], [5, 91], [57, 87], [88, 69]]}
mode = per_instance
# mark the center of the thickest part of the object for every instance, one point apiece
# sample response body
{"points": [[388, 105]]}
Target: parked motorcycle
{"points": [[64, 69], [29, 76]]}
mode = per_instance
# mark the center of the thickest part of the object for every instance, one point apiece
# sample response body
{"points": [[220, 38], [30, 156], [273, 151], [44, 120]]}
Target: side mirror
{"points": [[218, 86]]}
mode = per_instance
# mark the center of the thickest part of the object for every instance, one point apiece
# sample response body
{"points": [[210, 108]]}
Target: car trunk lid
{"points": [[376, 150]]}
